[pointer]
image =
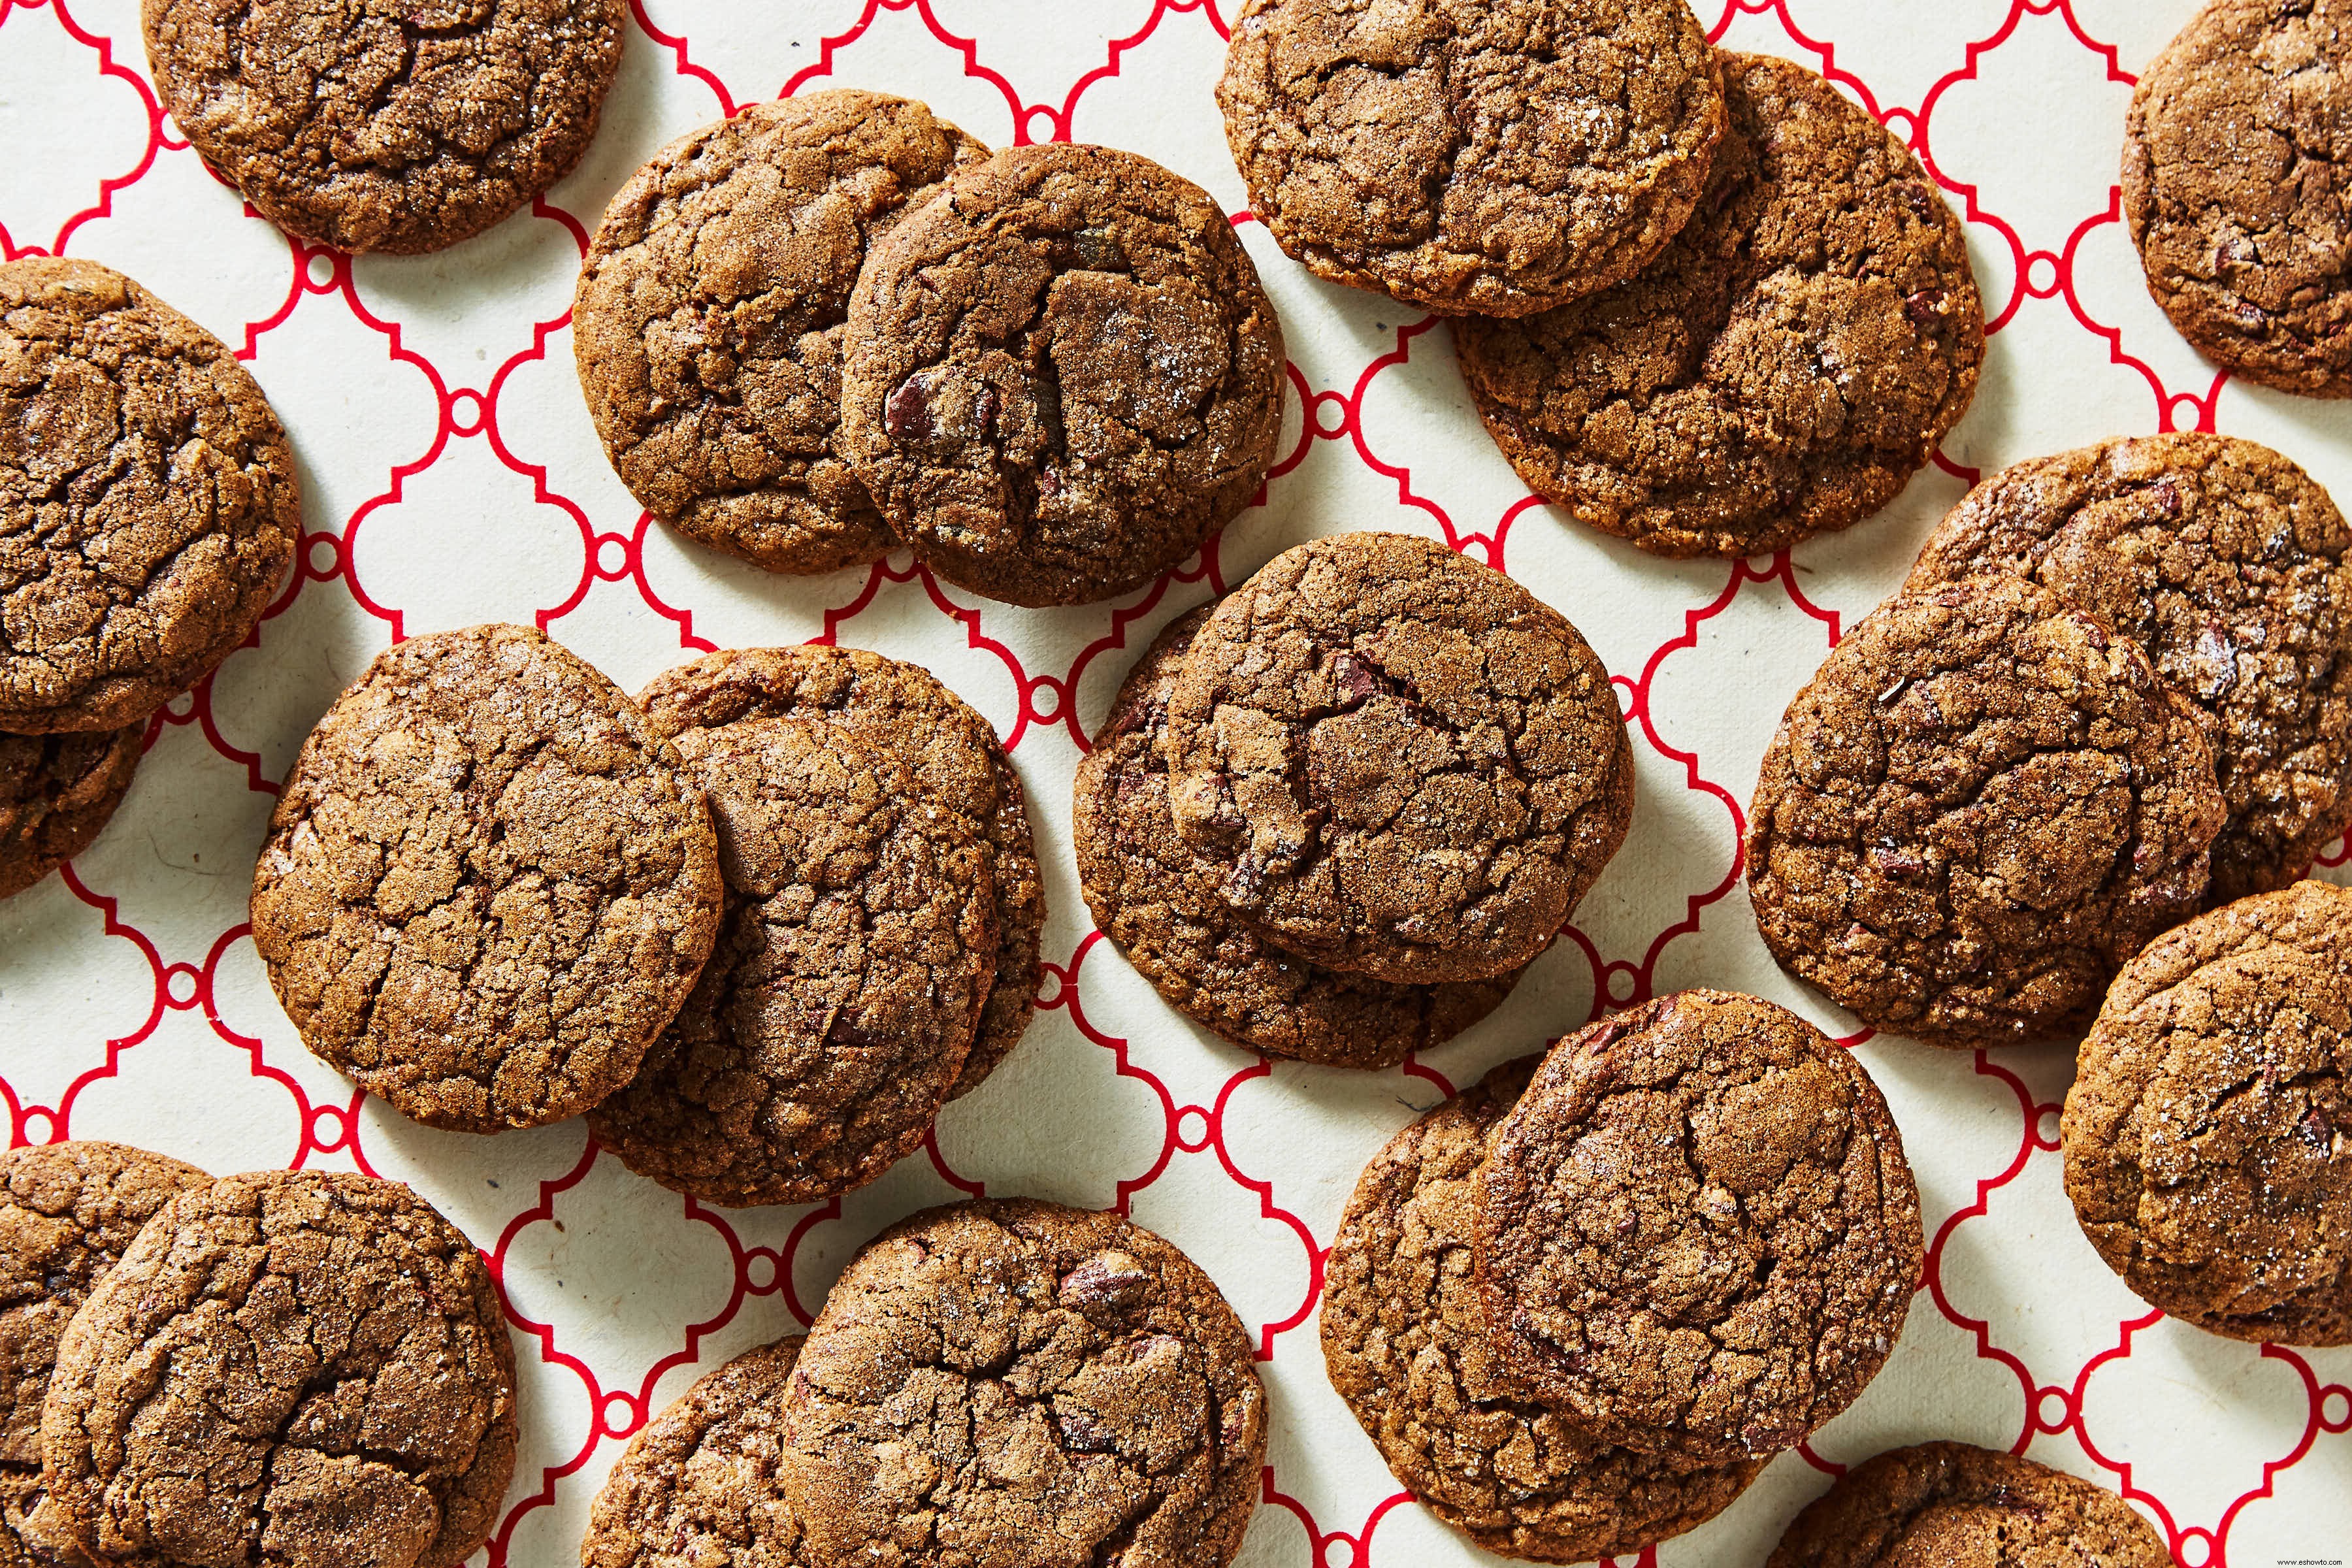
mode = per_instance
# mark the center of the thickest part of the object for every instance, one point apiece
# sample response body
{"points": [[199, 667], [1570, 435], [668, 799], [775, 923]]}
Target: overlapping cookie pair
{"points": [[758, 923], [832, 324], [1334, 816]]}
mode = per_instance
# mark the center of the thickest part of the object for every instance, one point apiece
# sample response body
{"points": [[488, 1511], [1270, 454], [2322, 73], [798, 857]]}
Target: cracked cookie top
{"points": [[2234, 571], [1163, 906], [1781, 370], [148, 502], [56, 794], [288, 1369], [1696, 1231], [1063, 376], [1017, 1384], [713, 310], [836, 1012], [1954, 1504], [697, 1487], [1406, 1342], [904, 712], [1980, 805], [486, 884], [1496, 156], [2209, 1132], [1396, 760], [392, 125], [2234, 186]]}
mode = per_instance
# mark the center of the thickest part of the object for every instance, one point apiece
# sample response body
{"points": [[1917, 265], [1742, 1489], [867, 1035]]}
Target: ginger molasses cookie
{"points": [[1017, 1384], [836, 1012], [902, 711], [1163, 905], [486, 884], [2209, 1132], [68, 1211], [712, 313], [57, 794], [1781, 370], [2235, 189], [697, 1487], [1982, 803], [1063, 374], [2234, 571], [1396, 760], [1406, 1340], [1696, 1232], [322, 1349], [1496, 156], [148, 504], [1952, 1503], [395, 127]]}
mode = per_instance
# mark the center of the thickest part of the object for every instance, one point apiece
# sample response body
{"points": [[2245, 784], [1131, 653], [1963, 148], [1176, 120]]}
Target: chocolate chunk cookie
{"points": [[1017, 1384], [2209, 1132], [1496, 156], [1952, 1503], [1162, 904], [903, 712], [57, 794], [2234, 187], [697, 1487], [486, 886], [66, 1213], [1396, 760], [148, 506], [1063, 374], [2234, 571], [1696, 1232], [712, 309], [1983, 803], [836, 1009], [378, 127], [287, 1367], [1407, 1344], [1781, 370]]}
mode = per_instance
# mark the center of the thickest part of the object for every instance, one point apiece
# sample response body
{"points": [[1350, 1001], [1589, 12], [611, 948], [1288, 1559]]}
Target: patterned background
{"points": [[452, 476]]}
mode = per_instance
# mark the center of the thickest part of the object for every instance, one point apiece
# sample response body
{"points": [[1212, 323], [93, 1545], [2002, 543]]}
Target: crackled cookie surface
{"points": [[57, 794]]}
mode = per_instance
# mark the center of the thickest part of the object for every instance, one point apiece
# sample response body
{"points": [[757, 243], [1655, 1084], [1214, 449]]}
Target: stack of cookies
{"points": [[1704, 301], [1578, 1307], [1334, 816], [835, 324], [760, 923]]}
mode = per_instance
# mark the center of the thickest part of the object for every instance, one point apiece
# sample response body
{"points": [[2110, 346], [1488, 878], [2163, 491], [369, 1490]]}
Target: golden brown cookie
{"points": [[56, 794]]}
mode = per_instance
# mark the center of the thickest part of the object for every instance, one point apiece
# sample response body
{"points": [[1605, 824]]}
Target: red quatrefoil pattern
{"points": [[452, 475]]}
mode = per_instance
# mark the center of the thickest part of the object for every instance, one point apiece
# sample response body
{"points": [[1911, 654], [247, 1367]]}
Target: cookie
{"points": [[130, 438], [1160, 903], [66, 1213], [1781, 370], [1396, 760], [711, 311], [1980, 805], [1017, 1384], [486, 884], [836, 1012], [1406, 1342], [902, 711], [2209, 1132], [286, 1367], [400, 129], [2234, 195], [1696, 1232], [1953, 1504], [1063, 374], [56, 794], [697, 1487], [2234, 571], [1499, 157]]}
